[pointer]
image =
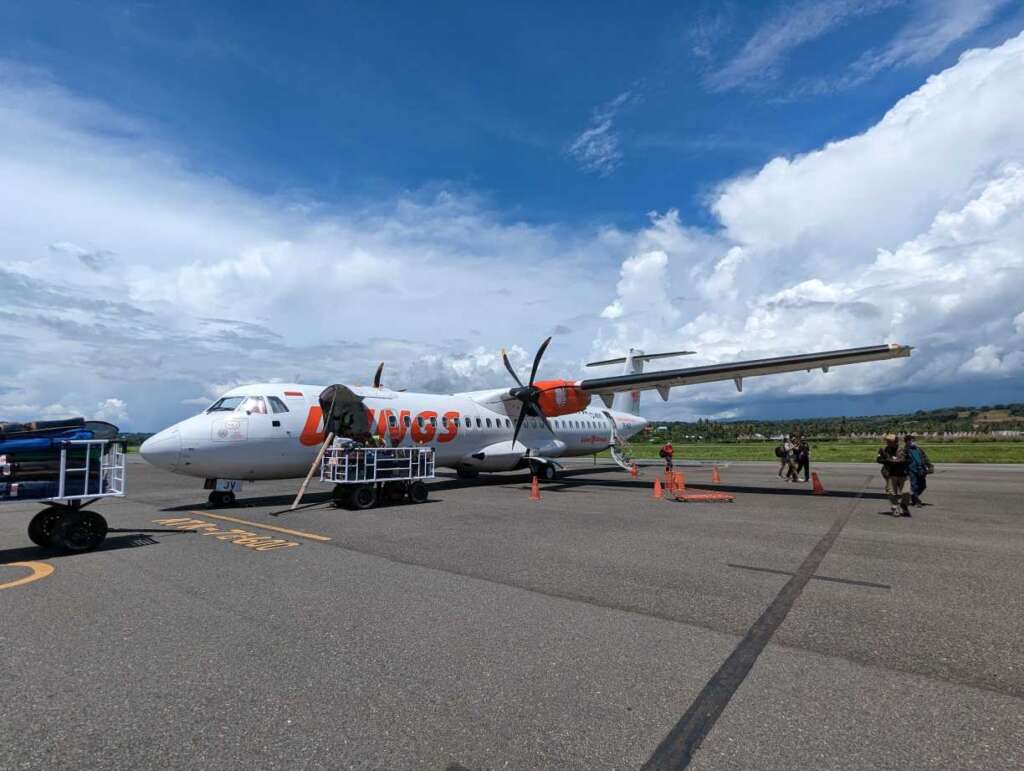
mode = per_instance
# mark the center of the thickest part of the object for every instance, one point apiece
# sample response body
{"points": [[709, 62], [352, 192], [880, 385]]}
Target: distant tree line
{"points": [[959, 419]]}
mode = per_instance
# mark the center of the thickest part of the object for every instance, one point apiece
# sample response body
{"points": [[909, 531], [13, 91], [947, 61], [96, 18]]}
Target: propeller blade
{"points": [[519, 424], [537, 358], [547, 425], [508, 366], [376, 377]]}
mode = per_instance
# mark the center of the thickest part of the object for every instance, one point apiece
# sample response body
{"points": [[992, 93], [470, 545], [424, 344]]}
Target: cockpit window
{"points": [[255, 404], [226, 404], [277, 405]]}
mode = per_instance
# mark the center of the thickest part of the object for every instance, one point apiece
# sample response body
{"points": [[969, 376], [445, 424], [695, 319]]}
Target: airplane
{"points": [[275, 430]]}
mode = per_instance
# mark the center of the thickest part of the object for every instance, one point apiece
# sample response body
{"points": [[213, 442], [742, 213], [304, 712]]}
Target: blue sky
{"points": [[520, 152]]}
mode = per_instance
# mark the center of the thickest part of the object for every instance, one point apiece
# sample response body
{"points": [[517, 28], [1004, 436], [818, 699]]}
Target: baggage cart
{"points": [[364, 476], [88, 470]]}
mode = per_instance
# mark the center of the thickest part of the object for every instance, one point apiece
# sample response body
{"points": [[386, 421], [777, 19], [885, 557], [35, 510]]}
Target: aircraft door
{"points": [[344, 413]]}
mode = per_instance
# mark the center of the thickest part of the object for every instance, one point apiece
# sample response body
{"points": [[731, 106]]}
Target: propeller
{"points": [[529, 395]]}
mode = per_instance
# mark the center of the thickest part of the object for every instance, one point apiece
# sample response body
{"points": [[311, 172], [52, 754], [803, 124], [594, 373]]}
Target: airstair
{"points": [[618, 447]]}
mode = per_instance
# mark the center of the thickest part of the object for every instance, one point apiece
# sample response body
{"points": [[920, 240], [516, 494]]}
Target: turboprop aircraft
{"points": [[275, 430]]}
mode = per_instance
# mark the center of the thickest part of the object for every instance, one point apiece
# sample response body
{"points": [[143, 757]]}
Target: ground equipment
{"points": [[67, 465], [365, 476]]}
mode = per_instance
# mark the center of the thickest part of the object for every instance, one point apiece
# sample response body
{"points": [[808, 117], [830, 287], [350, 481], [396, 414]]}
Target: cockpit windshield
{"points": [[227, 404], [249, 404]]}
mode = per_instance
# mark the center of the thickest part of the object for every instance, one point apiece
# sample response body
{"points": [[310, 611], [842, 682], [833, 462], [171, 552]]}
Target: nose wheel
{"points": [[219, 499]]}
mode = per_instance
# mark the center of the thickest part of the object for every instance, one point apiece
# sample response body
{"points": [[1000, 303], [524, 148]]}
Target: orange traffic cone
{"points": [[657, 489], [679, 482], [535, 490], [818, 487], [715, 476], [632, 470]]}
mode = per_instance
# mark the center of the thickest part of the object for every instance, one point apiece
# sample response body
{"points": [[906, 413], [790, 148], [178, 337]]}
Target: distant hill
{"points": [[988, 419]]}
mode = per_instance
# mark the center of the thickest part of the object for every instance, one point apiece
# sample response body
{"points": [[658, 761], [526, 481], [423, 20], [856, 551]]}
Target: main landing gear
{"points": [[544, 470]]}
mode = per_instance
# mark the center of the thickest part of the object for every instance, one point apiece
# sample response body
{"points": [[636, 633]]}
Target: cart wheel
{"points": [[340, 497], [363, 497], [40, 529], [417, 492], [80, 531], [393, 492]]}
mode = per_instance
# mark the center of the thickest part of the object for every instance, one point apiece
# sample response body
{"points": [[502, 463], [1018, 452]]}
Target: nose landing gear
{"points": [[219, 499]]}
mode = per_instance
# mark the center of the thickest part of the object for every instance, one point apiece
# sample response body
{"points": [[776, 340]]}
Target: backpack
{"points": [[779, 452]]}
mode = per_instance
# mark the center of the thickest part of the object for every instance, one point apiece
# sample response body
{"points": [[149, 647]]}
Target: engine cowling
{"points": [[561, 397]]}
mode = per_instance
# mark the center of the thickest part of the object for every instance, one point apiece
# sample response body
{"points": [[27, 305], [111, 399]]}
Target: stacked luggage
{"points": [[30, 458]]}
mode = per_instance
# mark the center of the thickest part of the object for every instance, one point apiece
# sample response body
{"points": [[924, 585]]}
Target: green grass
{"points": [[842, 452]]}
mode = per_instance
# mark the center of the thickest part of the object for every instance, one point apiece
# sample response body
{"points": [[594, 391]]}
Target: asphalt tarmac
{"points": [[597, 628]]}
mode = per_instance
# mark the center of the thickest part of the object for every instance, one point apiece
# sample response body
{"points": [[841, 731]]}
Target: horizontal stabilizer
{"points": [[640, 357]]}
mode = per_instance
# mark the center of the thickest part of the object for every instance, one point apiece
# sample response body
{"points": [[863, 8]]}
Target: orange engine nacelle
{"points": [[561, 397]]}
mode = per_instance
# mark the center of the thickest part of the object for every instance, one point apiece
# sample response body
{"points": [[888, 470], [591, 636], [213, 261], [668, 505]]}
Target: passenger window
{"points": [[468, 422], [508, 423], [408, 421], [433, 422], [419, 421], [392, 421], [277, 405], [444, 421], [479, 423], [488, 422], [455, 421]]}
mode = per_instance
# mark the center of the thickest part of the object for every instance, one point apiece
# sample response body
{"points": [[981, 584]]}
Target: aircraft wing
{"points": [[739, 370]]}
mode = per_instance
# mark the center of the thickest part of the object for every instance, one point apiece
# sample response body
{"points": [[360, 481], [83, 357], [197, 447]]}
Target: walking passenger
{"points": [[894, 470], [918, 468], [803, 458]]}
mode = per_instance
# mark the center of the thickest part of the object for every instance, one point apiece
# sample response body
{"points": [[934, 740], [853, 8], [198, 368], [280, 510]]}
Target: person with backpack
{"points": [[666, 453], [918, 469], [893, 459]]}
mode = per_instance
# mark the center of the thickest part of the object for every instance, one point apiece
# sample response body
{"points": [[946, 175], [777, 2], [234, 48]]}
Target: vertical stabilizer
{"points": [[629, 401], [633, 364]]}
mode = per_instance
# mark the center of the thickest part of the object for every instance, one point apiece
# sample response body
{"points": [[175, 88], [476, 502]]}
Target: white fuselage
{"points": [[277, 433]]}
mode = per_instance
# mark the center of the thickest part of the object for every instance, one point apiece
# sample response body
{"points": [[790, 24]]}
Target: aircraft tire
{"points": [[80, 531], [43, 524], [364, 497], [417, 492], [220, 499], [548, 472]]}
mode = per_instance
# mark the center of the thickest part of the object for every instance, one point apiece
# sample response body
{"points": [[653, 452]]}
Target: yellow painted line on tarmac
{"points": [[39, 570], [286, 531]]}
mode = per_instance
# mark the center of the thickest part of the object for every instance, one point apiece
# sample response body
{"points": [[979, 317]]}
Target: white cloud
{"points": [[762, 55], [213, 284], [937, 25], [113, 410], [908, 233], [597, 148]]}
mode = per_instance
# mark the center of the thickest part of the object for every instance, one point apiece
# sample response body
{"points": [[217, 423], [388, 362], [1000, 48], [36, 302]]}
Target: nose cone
{"points": [[163, 450]]}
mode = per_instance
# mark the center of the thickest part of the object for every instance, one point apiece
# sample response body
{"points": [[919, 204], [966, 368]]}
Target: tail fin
{"points": [[633, 364]]}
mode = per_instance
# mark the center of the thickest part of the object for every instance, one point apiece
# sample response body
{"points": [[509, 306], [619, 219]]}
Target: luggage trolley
{"points": [[363, 476], [89, 470]]}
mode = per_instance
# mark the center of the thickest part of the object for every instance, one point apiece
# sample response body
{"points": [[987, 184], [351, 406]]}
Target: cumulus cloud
{"points": [[214, 284], [909, 232]]}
